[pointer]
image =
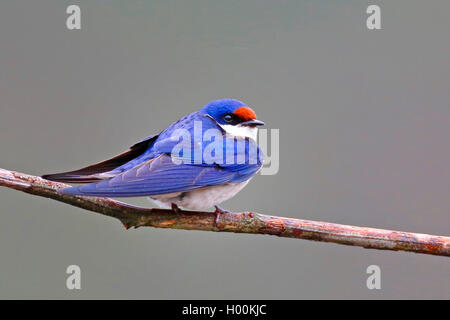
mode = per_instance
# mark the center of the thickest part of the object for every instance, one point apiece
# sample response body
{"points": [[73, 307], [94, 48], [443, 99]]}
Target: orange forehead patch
{"points": [[245, 113]]}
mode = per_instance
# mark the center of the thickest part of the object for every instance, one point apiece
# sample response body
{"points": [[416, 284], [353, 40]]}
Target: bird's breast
{"points": [[201, 198]]}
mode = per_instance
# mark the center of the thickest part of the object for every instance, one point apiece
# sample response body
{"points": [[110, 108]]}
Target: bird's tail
{"points": [[102, 170], [73, 177]]}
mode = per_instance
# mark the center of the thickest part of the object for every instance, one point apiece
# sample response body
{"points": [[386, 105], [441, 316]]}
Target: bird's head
{"points": [[234, 116]]}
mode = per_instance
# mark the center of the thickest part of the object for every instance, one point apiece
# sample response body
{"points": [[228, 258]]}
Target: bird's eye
{"points": [[228, 118]]}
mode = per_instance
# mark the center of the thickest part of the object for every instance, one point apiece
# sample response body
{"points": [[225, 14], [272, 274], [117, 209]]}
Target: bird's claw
{"points": [[175, 208], [219, 211]]}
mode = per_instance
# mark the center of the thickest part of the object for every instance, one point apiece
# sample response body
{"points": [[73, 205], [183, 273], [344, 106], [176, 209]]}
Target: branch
{"points": [[242, 222]]}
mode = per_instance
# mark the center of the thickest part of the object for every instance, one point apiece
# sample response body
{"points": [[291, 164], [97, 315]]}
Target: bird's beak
{"points": [[252, 123]]}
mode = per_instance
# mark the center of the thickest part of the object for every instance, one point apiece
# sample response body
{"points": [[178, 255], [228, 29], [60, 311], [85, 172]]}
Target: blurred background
{"points": [[364, 119]]}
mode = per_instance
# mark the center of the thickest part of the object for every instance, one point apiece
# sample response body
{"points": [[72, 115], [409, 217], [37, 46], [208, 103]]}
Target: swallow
{"points": [[196, 175]]}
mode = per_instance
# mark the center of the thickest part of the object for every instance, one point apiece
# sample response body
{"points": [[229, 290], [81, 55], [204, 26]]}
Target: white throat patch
{"points": [[241, 131]]}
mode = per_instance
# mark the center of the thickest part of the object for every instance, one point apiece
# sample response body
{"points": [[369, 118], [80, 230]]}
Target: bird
{"points": [[194, 175]]}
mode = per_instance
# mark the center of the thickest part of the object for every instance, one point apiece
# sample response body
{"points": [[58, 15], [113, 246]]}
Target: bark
{"points": [[238, 222]]}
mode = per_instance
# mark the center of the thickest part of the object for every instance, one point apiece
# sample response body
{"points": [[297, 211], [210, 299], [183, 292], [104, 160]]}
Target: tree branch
{"points": [[242, 222]]}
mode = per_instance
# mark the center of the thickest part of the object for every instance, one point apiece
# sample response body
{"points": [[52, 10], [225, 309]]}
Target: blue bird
{"points": [[197, 162]]}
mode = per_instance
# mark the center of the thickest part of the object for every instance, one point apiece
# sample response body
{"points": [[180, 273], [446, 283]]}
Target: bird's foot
{"points": [[175, 208], [219, 211]]}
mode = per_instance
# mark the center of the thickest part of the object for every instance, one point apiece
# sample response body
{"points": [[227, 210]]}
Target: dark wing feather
{"points": [[93, 172]]}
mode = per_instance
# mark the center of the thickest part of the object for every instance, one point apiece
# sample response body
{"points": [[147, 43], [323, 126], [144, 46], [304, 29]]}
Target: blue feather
{"points": [[155, 172]]}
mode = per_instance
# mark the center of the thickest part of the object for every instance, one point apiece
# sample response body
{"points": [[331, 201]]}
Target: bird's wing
{"points": [[160, 176], [98, 171]]}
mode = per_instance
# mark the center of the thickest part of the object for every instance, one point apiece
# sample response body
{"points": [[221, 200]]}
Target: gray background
{"points": [[364, 121]]}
